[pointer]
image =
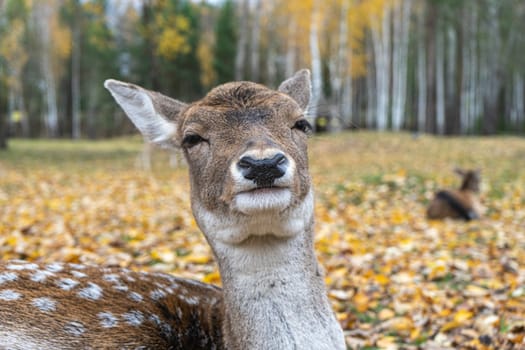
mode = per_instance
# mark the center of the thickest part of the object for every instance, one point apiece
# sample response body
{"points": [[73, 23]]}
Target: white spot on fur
{"points": [[120, 287], [7, 277], [23, 266], [91, 292], [77, 266], [74, 328], [135, 296], [44, 304], [55, 267], [67, 283], [129, 279], [133, 318], [113, 278], [107, 319], [157, 294], [192, 300], [78, 274], [9, 295], [41, 276]]}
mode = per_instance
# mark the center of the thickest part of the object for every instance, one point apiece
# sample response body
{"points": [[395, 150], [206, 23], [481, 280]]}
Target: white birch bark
{"points": [[240, 57], [291, 49], [316, 62], [401, 24], [75, 76], [421, 73], [382, 46], [517, 112], [338, 69], [42, 14], [440, 82], [255, 40]]}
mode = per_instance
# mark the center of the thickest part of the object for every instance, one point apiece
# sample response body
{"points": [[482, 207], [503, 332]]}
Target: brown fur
{"points": [[466, 196], [162, 314]]}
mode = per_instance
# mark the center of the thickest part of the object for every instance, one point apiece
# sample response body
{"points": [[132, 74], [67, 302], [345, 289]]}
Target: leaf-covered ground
{"points": [[396, 280]]}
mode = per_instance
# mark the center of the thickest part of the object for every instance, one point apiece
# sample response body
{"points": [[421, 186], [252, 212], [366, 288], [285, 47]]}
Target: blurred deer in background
{"points": [[458, 204], [144, 158], [251, 194]]}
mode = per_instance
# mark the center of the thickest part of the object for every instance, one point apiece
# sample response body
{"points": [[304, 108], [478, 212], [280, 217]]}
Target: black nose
{"points": [[263, 171]]}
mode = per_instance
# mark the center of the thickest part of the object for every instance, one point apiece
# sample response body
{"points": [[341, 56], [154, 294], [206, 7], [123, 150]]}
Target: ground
{"points": [[396, 279]]}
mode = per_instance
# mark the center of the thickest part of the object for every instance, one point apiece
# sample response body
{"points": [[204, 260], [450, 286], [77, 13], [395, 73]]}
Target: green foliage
{"points": [[225, 43]]}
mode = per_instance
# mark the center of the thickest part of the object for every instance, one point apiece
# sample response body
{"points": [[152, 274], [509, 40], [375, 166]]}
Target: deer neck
{"points": [[274, 292]]}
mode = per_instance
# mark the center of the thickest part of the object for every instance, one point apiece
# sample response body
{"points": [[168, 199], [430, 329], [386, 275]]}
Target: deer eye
{"points": [[191, 140], [303, 125]]}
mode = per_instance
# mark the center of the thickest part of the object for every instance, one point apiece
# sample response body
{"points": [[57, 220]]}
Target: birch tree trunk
{"points": [[493, 83], [440, 82], [421, 73], [338, 69], [291, 49], [451, 82], [382, 52], [316, 63], [42, 13], [75, 75], [401, 23], [517, 112], [431, 68], [240, 57], [255, 41]]}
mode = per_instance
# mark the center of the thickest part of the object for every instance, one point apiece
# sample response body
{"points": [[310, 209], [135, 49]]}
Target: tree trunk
{"points": [[316, 62], [493, 83], [3, 120], [43, 14], [431, 68], [440, 81], [401, 24], [382, 51], [291, 49], [338, 70], [517, 112], [240, 58], [255, 41], [453, 83], [75, 74], [421, 73]]}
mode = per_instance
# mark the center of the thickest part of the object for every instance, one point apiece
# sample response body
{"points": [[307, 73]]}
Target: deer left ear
{"points": [[155, 115], [298, 87]]}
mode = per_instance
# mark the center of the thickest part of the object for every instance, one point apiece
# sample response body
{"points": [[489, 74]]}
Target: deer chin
{"points": [[261, 200], [281, 220]]}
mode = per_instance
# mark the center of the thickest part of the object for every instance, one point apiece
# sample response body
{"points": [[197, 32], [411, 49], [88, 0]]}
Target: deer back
{"points": [[64, 306]]}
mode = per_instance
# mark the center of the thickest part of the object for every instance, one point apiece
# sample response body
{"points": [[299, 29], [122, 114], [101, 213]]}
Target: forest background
{"points": [[436, 66]]}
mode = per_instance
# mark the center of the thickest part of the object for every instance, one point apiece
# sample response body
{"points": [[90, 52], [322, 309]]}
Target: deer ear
{"points": [[155, 115], [460, 171], [298, 87]]}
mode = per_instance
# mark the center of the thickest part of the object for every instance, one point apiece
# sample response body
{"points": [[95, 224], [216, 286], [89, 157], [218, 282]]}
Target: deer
{"points": [[252, 197], [458, 204]]}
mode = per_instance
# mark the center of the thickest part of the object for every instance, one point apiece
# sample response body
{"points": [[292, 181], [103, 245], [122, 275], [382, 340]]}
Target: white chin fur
{"points": [[263, 200], [237, 227]]}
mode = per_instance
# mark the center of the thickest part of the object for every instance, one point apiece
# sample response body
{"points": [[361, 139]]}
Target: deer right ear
{"points": [[298, 87], [154, 114]]}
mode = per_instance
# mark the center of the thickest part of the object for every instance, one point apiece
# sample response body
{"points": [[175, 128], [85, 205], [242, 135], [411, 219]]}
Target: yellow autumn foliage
{"points": [[395, 279]]}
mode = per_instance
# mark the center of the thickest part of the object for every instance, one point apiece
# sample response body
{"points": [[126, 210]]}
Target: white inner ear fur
{"points": [[140, 109]]}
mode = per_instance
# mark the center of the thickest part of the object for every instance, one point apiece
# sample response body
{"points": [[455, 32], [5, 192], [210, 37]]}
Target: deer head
{"points": [[246, 149]]}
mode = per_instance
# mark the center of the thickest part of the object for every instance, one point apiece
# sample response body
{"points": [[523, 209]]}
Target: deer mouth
{"points": [[263, 198]]}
